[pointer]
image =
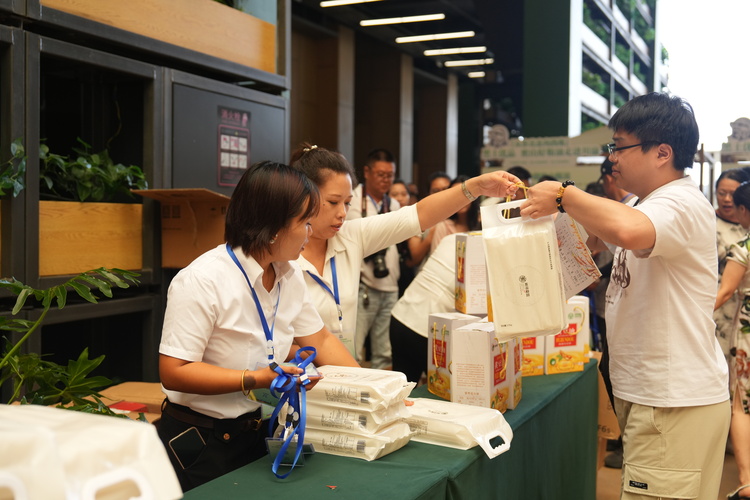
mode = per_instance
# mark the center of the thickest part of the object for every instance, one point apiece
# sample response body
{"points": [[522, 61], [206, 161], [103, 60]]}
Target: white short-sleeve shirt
{"points": [[211, 317], [660, 330], [356, 239]]}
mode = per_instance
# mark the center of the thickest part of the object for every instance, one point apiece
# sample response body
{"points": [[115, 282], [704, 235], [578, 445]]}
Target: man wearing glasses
{"points": [[669, 376], [378, 288]]}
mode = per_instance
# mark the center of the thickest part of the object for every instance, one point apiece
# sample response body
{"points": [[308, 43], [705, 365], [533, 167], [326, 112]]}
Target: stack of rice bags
{"points": [[358, 412]]}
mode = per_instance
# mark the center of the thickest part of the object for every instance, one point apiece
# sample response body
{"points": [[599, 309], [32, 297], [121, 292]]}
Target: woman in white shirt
{"points": [[231, 318], [333, 256]]}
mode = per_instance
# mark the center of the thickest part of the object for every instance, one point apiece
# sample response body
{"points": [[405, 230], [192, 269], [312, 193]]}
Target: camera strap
{"points": [[384, 207]]}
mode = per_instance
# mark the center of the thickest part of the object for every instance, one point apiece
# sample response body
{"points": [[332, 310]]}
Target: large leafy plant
{"points": [[38, 381], [86, 176]]}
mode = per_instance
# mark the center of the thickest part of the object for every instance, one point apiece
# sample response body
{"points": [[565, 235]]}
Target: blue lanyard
{"points": [[266, 330], [335, 292]]}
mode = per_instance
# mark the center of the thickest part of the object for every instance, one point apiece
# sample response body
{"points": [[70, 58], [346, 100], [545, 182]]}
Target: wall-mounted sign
{"points": [[233, 146], [558, 157]]}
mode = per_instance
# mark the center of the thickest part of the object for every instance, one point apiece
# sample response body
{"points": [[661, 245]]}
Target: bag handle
{"points": [[506, 433]]}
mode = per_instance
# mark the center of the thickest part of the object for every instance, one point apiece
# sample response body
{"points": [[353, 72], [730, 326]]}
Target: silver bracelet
{"points": [[467, 193]]}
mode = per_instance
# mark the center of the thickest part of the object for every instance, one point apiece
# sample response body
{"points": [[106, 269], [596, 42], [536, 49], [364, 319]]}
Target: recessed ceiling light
{"points": [[476, 74], [401, 20], [336, 3], [436, 36], [469, 62], [457, 50]]}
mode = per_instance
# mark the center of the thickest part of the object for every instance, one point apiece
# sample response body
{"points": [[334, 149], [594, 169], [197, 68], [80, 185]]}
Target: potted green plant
{"points": [[84, 221], [34, 380]]}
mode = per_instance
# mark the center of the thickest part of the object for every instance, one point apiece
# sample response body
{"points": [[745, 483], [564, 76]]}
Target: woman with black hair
{"points": [[231, 318], [736, 278]]}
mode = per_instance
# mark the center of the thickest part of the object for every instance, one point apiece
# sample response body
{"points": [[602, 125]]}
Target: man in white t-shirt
{"points": [[669, 376]]}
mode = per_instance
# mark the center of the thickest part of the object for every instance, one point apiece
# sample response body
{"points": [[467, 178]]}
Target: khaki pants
{"points": [[675, 453]]}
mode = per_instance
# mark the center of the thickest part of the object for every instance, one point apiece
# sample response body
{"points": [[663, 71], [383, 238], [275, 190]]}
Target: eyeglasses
{"points": [[724, 194], [612, 149], [383, 175]]}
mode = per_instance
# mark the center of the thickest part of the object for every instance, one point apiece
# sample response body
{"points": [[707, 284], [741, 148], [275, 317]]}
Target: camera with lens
{"points": [[379, 268]]}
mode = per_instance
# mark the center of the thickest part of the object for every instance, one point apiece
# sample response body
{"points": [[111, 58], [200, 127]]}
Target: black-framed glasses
{"points": [[612, 149]]}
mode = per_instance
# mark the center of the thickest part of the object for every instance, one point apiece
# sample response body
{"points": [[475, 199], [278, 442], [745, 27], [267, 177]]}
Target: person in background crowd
{"points": [[547, 178], [399, 192], [613, 192], [216, 342], [463, 221], [736, 278], [669, 377], [332, 258], [431, 291], [438, 181], [413, 193], [728, 232]]}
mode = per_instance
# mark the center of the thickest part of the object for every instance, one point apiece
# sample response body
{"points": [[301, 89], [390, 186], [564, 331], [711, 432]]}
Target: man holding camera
{"points": [[378, 287]]}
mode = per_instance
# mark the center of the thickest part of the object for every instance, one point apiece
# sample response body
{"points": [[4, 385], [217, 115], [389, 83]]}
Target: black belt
{"points": [[247, 422]]}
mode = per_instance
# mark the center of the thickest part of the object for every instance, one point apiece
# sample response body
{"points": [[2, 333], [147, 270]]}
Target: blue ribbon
{"points": [[294, 424]]}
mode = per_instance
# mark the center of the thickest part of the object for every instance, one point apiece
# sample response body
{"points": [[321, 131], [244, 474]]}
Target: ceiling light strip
{"points": [[436, 36], [336, 3], [475, 74], [401, 20], [469, 62], [457, 50]]}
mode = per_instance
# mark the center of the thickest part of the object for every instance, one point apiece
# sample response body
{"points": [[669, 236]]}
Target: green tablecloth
{"points": [[552, 455]]}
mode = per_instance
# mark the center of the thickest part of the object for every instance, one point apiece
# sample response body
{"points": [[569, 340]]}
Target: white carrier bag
{"points": [[524, 273], [460, 426], [363, 388], [51, 453]]}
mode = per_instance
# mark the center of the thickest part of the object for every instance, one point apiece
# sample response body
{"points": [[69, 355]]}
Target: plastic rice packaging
{"points": [[365, 446], [324, 416], [362, 388], [459, 426]]}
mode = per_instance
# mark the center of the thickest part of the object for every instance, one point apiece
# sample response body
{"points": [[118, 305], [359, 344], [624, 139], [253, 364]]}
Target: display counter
{"points": [[552, 456]]}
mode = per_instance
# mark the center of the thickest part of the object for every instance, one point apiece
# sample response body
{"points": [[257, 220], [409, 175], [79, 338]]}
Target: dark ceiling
{"points": [[495, 22]]}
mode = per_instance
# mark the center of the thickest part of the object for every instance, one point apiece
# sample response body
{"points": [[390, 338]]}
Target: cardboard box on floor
{"points": [[192, 222], [608, 426], [136, 397]]}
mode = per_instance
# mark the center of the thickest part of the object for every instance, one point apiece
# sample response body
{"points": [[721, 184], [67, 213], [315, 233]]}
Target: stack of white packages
{"points": [[358, 412]]}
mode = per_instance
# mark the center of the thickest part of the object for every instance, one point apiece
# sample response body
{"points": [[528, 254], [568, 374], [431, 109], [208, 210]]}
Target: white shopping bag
{"points": [[63, 454], [459, 426], [363, 388], [523, 270]]}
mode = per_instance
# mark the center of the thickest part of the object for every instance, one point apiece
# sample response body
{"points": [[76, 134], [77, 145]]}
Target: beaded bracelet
{"points": [[560, 194], [242, 383]]}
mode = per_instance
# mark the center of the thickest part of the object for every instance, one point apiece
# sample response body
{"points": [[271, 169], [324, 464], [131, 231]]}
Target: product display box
{"points": [[192, 222], [484, 370], [440, 337], [471, 274], [567, 351], [533, 356]]}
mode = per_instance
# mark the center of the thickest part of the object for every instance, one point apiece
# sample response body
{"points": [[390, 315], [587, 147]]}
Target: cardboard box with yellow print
{"points": [[440, 336], [485, 371], [567, 351], [471, 274]]}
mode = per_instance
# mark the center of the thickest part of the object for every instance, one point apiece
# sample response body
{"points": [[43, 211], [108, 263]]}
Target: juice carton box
{"points": [[517, 349], [440, 334], [471, 274], [566, 351], [484, 372], [533, 356]]}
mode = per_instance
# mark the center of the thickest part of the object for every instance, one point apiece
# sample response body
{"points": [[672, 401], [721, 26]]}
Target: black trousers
{"points": [[229, 443], [408, 351]]}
